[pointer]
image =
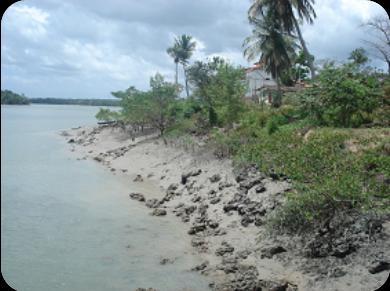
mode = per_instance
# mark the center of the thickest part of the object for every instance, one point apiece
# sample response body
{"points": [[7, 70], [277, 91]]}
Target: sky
{"points": [[89, 48]]}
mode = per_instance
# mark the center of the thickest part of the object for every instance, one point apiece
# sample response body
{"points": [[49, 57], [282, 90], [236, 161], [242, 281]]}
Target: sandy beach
{"points": [[223, 211]]}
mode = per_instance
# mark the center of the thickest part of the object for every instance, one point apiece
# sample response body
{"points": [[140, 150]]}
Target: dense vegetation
{"points": [[9, 97], [331, 138]]}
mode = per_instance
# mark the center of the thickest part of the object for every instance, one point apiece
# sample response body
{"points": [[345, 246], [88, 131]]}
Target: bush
{"points": [[331, 169], [342, 97]]}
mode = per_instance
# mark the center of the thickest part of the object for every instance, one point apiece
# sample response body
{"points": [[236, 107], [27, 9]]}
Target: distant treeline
{"points": [[9, 97], [91, 102]]}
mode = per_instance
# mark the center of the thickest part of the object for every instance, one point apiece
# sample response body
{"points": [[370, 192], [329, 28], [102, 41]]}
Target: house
{"points": [[258, 84]]}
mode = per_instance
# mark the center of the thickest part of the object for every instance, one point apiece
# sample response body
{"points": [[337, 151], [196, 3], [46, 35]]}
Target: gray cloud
{"points": [[88, 48]]}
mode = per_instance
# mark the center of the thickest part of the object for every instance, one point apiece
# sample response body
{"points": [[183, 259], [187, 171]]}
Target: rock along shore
{"points": [[224, 211]]}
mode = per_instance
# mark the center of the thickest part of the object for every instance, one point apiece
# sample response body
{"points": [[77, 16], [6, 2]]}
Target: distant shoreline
{"points": [[64, 101]]}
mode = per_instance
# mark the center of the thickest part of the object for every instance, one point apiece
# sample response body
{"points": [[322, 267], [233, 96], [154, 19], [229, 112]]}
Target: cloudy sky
{"points": [[88, 48]]}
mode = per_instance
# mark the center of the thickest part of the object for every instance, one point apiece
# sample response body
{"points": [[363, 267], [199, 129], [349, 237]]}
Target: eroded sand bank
{"points": [[223, 212]]}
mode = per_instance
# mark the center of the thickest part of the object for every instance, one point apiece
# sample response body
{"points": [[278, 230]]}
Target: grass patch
{"points": [[328, 174]]}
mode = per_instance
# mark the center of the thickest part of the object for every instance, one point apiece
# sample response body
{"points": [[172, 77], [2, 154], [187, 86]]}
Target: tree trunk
{"points": [[388, 67], [177, 72], [304, 48], [276, 102], [185, 76]]}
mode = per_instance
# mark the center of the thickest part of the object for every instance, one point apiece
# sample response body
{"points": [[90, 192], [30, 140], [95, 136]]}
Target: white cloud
{"points": [[89, 48], [30, 21]]}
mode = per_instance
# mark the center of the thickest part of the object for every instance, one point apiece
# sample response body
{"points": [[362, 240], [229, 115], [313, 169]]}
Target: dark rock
{"points": [[138, 178], [337, 272], [215, 178], [260, 188], [165, 261], [159, 212], [202, 209], [223, 185], [71, 140], [217, 232], [230, 206], [317, 248], [190, 209], [198, 227], [98, 159], [243, 254], [224, 249], [137, 196], [201, 267], [145, 289], [249, 183], [228, 265], [212, 224], [215, 200], [152, 203], [270, 252], [184, 177], [343, 250], [276, 286], [172, 187], [246, 220], [180, 205], [196, 199], [378, 267], [211, 192], [245, 278], [197, 241], [274, 176]]}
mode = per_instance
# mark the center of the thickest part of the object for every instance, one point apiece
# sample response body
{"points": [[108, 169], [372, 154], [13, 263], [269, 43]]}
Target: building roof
{"points": [[255, 67]]}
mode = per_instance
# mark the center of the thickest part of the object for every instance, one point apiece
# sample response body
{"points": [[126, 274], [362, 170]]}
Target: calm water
{"points": [[68, 224]]}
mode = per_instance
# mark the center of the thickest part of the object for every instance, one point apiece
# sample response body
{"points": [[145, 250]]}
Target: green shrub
{"points": [[342, 97], [328, 174], [272, 124]]}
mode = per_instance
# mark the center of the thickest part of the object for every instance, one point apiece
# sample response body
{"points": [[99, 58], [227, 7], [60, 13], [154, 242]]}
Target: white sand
{"points": [[162, 165]]}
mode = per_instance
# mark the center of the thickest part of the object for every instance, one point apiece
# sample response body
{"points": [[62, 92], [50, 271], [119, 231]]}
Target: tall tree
{"points": [[381, 28], [181, 52], [358, 56], [269, 41], [201, 75], [285, 13], [174, 52], [161, 99]]}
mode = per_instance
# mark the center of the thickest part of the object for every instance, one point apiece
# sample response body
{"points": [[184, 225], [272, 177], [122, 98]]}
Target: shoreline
{"points": [[223, 212]]}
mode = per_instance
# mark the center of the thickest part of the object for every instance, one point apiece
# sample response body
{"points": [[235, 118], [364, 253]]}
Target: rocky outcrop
{"points": [[224, 249], [152, 203], [138, 178], [137, 196], [215, 178], [159, 212], [185, 176]]}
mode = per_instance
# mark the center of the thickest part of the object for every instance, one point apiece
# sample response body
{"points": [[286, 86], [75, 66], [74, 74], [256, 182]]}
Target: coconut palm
{"points": [[174, 52], [186, 48], [181, 52], [284, 11], [274, 47]]}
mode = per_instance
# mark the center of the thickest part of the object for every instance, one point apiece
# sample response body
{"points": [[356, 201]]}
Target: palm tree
{"points": [[174, 52], [181, 52], [275, 49], [284, 10]]}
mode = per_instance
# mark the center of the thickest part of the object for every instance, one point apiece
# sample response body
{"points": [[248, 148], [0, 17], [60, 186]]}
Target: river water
{"points": [[69, 224]]}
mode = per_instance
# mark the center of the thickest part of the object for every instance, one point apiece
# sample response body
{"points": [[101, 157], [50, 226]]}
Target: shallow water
{"points": [[68, 224]]}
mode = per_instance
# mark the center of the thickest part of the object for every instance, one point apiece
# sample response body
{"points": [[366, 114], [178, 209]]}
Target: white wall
{"points": [[257, 79]]}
